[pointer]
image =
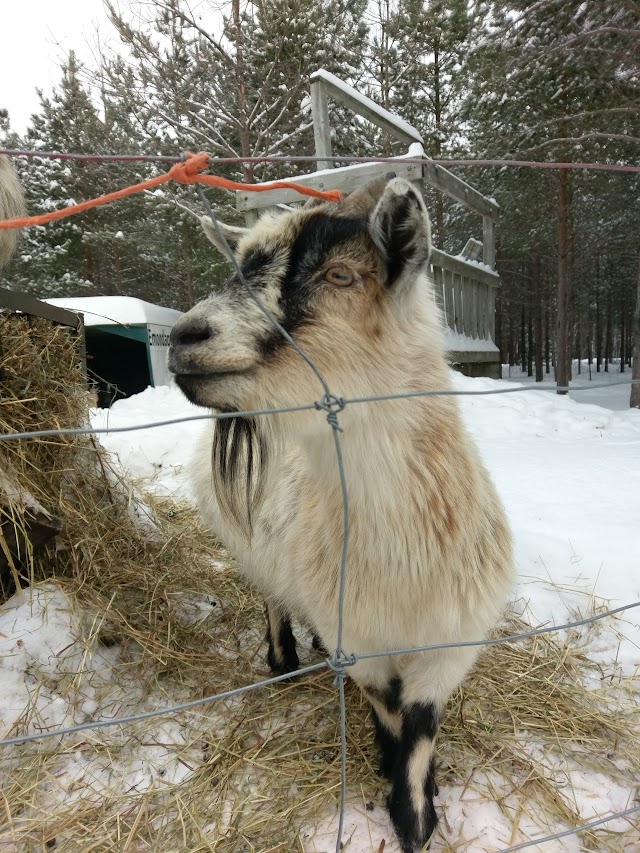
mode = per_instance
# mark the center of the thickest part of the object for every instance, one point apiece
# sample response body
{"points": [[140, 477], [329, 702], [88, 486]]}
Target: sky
{"points": [[35, 37]]}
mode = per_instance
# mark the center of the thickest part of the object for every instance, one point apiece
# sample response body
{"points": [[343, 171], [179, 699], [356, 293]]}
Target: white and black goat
{"points": [[429, 557]]}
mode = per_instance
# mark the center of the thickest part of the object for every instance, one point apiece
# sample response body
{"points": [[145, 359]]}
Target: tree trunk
{"points": [[245, 139], [608, 341], [598, 328], [89, 265], [117, 263], [623, 329], [547, 329], [539, 307], [523, 342], [512, 345], [578, 347], [563, 324], [499, 337], [635, 372]]}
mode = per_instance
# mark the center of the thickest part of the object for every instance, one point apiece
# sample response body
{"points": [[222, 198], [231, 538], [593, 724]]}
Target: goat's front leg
{"points": [[385, 704], [282, 656], [413, 784], [406, 714]]}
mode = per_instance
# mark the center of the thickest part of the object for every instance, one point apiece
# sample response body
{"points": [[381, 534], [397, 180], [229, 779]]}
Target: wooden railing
{"points": [[466, 292]]}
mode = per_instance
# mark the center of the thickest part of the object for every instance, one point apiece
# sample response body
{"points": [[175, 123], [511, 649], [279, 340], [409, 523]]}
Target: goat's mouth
{"points": [[210, 375], [214, 389]]}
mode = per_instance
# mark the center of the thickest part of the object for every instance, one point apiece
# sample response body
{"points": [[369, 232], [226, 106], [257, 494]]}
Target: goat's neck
{"points": [[379, 444]]}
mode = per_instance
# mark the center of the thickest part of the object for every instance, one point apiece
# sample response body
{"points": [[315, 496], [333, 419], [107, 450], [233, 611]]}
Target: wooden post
{"points": [[438, 289], [489, 241], [448, 300], [491, 317], [457, 302], [361, 105], [321, 126], [467, 306]]}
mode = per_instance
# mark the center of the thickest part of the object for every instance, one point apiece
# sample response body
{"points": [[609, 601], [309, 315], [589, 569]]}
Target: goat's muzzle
{"points": [[205, 374], [189, 345]]}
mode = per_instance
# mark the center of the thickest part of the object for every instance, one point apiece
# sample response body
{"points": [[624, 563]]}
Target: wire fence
{"points": [[332, 405], [310, 158]]}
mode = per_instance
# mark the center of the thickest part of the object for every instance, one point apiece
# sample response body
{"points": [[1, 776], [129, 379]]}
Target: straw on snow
{"points": [[255, 769]]}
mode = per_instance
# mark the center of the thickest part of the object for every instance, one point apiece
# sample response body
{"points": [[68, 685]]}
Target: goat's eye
{"points": [[340, 276]]}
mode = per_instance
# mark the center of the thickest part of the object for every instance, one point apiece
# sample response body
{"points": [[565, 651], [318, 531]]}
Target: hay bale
{"points": [[21, 534], [41, 386]]}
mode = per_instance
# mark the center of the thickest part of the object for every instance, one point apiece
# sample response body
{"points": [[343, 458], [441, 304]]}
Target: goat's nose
{"points": [[187, 332]]}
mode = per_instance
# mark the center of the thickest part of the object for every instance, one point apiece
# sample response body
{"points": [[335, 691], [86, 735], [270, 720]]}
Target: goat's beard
{"points": [[239, 462]]}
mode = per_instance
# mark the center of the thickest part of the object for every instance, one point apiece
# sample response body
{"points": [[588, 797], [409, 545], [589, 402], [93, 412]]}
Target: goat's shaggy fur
{"points": [[429, 556], [11, 207]]}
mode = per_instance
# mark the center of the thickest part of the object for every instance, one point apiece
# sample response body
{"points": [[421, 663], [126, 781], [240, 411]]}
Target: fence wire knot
{"points": [[332, 405], [339, 660]]}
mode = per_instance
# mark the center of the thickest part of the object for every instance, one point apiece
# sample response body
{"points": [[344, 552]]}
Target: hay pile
{"points": [[137, 572]]}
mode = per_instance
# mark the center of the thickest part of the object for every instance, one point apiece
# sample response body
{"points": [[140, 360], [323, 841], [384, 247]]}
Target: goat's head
{"points": [[341, 279]]}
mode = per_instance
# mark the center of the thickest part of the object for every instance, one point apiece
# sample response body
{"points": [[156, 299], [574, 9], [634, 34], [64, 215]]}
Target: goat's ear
{"points": [[231, 233], [399, 227]]}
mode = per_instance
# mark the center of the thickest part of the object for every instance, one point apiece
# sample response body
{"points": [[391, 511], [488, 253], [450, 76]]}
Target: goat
{"points": [[11, 207], [430, 557]]}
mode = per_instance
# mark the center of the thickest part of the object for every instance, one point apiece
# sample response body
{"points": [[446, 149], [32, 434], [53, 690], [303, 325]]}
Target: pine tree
{"points": [[56, 259], [546, 81], [142, 246], [239, 88]]}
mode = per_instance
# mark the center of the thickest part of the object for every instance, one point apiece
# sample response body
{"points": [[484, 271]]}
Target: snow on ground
{"points": [[156, 455], [569, 477], [615, 397], [568, 472]]}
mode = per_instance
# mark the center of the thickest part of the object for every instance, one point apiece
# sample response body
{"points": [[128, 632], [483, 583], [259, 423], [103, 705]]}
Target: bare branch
{"points": [[618, 137], [272, 149], [597, 30], [172, 200], [543, 125], [215, 43]]}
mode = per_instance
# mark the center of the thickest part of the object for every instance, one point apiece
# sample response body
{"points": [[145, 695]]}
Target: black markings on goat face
{"points": [[296, 280]]}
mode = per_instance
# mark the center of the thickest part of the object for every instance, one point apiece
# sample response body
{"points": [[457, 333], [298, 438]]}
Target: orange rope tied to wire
{"points": [[186, 172]]}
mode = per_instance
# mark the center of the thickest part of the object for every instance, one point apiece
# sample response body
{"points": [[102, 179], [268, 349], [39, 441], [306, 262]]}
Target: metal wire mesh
{"points": [[340, 659]]}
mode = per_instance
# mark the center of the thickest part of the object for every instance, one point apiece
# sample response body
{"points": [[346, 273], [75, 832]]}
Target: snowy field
{"points": [[568, 471]]}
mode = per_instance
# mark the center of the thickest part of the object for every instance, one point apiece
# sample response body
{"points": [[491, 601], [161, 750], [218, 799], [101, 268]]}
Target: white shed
{"points": [[127, 341]]}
